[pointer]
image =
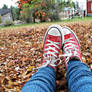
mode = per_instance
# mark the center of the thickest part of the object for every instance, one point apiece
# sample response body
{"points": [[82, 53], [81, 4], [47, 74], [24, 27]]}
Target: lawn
{"points": [[21, 48], [77, 19]]}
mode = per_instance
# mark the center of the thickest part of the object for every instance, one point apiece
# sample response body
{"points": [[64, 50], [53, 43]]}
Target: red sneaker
{"points": [[71, 46], [52, 45]]}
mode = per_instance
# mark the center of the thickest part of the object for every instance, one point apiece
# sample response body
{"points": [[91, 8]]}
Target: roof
{"points": [[4, 11]]}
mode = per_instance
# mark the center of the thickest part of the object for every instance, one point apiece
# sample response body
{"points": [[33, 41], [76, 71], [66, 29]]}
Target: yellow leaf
{"points": [[30, 68]]}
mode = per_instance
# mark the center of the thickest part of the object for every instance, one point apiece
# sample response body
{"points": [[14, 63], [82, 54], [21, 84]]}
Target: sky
{"points": [[82, 3]]}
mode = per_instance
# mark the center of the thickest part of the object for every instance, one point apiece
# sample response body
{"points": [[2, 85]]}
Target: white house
{"points": [[5, 15]]}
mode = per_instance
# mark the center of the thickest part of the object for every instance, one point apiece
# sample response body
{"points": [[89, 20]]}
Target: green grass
{"points": [[20, 25], [77, 19]]}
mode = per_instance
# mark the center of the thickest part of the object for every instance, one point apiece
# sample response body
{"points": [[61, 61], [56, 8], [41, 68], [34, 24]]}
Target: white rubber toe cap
{"points": [[54, 31]]}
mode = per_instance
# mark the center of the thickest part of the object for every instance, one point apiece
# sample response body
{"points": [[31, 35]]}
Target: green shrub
{"points": [[26, 16], [8, 23]]}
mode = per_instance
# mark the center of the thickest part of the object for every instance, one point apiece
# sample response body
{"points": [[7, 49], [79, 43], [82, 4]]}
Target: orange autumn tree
{"points": [[27, 7], [39, 9]]}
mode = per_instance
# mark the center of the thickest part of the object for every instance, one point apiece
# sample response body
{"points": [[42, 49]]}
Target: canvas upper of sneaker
{"points": [[52, 45], [71, 46]]}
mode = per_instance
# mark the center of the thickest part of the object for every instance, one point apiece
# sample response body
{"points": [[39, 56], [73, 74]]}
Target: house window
{"points": [[91, 6]]}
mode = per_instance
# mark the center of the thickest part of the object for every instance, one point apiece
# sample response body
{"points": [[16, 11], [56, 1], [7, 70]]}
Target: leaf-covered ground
{"points": [[21, 49]]}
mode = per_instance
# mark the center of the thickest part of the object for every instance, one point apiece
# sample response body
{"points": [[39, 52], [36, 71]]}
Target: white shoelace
{"points": [[50, 57], [51, 60], [70, 49]]}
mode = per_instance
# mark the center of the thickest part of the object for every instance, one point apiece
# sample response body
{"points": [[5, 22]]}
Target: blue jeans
{"points": [[79, 79]]}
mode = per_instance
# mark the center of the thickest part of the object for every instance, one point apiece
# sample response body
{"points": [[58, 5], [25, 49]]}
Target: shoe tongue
{"points": [[67, 36], [54, 38]]}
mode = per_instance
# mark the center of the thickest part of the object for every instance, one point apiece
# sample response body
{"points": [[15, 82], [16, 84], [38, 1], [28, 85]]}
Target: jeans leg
{"points": [[42, 81], [79, 77]]}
